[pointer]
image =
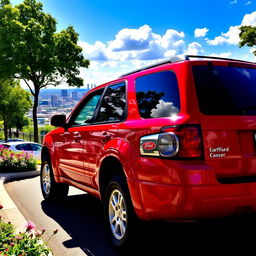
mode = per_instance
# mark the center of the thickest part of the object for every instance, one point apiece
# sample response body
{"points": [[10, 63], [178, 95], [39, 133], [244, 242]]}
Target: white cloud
{"points": [[133, 39], [195, 49], [232, 35], [98, 77], [141, 44], [234, 2], [133, 48], [222, 55], [164, 109], [248, 3], [171, 36], [96, 52], [249, 19], [200, 32]]}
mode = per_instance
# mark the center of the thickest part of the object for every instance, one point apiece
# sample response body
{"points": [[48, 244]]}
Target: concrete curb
{"points": [[9, 211], [6, 177]]}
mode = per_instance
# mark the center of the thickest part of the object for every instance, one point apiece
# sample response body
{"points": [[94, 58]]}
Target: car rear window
{"points": [[225, 90], [158, 95]]}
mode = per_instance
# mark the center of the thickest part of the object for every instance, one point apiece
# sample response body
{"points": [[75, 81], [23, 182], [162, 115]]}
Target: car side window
{"points": [[158, 95], [112, 107], [25, 147], [86, 111], [36, 147]]}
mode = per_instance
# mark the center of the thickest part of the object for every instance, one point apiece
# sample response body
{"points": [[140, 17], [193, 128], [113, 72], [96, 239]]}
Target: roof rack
{"points": [[187, 57], [171, 60], [177, 59]]}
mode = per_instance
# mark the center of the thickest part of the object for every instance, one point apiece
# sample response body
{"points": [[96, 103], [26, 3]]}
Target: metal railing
{"points": [[25, 136], [30, 137]]}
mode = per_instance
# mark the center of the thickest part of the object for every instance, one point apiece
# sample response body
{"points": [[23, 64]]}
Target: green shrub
{"points": [[11, 161], [27, 243]]}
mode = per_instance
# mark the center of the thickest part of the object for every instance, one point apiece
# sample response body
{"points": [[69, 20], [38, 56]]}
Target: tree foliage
{"points": [[148, 101], [32, 50], [14, 104], [247, 36]]}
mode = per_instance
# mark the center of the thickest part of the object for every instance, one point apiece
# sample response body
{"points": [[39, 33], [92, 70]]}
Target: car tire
{"points": [[119, 213], [51, 190]]}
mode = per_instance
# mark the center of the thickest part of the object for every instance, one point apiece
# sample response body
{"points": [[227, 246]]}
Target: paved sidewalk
{"points": [[8, 209]]}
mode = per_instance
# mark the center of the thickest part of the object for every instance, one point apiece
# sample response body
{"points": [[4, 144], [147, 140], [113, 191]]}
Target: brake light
{"points": [[179, 142], [190, 142]]}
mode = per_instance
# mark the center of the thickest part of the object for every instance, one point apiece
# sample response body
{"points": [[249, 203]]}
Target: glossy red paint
{"points": [[167, 189]]}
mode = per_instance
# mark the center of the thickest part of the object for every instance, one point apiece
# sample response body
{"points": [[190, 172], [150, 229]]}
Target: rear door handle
{"points": [[77, 135], [105, 137], [65, 134]]}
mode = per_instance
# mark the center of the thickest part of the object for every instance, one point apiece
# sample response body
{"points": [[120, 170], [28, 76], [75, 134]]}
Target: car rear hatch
{"points": [[226, 92]]}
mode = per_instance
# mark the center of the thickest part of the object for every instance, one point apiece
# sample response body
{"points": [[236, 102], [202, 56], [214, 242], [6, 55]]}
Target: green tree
{"points": [[248, 36], [32, 50], [14, 103], [19, 121]]}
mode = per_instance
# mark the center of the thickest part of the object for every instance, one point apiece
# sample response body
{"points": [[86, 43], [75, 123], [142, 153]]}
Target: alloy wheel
{"points": [[46, 179], [117, 214]]}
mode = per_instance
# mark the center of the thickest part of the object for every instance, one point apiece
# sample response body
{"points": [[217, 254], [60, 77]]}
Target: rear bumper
{"points": [[168, 202], [175, 190]]}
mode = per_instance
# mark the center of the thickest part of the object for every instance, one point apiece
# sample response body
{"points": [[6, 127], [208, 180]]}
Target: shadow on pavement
{"points": [[81, 217]]}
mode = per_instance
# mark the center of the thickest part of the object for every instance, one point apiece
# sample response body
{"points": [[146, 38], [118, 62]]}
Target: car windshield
{"points": [[225, 90]]}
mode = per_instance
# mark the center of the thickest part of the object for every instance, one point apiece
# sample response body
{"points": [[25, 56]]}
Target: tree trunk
{"points": [[36, 95], [5, 129]]}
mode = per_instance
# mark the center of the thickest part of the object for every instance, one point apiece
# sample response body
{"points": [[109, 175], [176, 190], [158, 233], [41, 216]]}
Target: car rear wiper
{"points": [[246, 109]]}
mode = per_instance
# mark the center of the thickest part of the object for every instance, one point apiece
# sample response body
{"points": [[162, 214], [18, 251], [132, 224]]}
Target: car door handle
{"points": [[65, 134], [77, 135], [105, 137]]}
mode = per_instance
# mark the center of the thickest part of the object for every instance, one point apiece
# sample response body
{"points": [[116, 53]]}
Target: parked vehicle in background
{"points": [[173, 141], [24, 146], [11, 140]]}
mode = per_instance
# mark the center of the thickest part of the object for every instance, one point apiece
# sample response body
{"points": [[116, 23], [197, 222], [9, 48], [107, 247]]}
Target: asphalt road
{"points": [[81, 229]]}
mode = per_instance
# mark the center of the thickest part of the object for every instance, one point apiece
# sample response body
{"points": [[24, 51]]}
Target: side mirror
{"points": [[59, 121]]}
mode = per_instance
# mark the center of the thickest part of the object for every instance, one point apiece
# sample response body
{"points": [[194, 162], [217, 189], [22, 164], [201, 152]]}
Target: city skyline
{"points": [[57, 101]]}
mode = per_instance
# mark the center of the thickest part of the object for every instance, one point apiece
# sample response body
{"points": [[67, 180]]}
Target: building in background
{"points": [[64, 93], [44, 103], [74, 95], [54, 100]]}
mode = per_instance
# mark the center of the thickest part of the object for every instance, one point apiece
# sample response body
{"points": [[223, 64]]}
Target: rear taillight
{"points": [[179, 142], [190, 142]]}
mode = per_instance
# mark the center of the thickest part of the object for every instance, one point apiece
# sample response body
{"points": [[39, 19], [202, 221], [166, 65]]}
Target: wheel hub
{"points": [[46, 179], [117, 214]]}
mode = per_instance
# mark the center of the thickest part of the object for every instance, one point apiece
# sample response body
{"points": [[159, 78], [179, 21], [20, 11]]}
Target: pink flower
{"points": [[38, 234], [30, 226]]}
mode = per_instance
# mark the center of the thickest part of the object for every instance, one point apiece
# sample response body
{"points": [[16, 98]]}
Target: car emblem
{"points": [[149, 145]]}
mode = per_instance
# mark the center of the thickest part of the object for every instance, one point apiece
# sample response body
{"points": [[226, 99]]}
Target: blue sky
{"points": [[119, 36]]}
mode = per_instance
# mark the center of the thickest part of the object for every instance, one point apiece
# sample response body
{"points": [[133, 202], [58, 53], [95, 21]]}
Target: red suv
{"points": [[173, 141]]}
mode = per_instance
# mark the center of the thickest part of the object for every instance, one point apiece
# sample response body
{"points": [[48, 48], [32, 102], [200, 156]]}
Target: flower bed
{"points": [[11, 161], [27, 243]]}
